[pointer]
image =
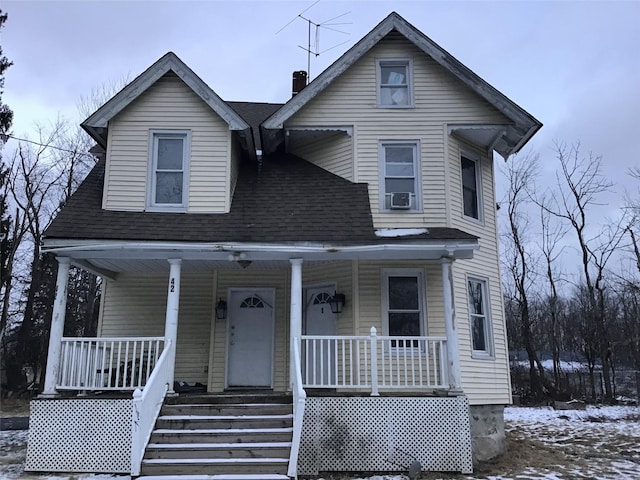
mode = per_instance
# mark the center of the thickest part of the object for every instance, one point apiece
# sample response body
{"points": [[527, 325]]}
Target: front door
{"points": [[319, 356], [250, 323]]}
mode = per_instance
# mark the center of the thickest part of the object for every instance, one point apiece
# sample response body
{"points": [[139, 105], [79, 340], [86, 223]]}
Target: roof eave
{"points": [[169, 62]]}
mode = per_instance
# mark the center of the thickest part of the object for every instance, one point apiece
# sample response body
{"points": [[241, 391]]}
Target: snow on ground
{"points": [[598, 443]]}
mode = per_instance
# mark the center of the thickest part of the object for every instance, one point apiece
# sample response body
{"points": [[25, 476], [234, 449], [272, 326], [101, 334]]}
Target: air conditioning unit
{"points": [[401, 200]]}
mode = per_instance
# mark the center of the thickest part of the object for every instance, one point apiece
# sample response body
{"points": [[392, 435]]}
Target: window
{"points": [[479, 318], [394, 83], [470, 187], [400, 180], [169, 170], [403, 305]]}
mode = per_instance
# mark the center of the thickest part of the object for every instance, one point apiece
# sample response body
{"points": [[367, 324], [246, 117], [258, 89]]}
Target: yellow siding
{"points": [[168, 104], [485, 264], [439, 98], [134, 305], [334, 154]]}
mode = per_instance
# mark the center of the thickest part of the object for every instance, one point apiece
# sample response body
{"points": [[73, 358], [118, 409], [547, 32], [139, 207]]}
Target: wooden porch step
{"points": [[191, 422], [261, 435], [215, 466], [226, 409], [227, 437], [230, 397], [218, 450]]}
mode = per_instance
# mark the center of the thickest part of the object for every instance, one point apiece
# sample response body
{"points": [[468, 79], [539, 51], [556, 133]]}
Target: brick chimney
{"points": [[299, 82]]}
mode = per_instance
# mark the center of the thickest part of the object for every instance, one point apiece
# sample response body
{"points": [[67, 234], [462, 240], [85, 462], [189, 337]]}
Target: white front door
{"points": [[319, 362], [250, 330]]}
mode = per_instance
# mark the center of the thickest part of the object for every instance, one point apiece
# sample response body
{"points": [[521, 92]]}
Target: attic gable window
{"points": [[394, 83], [399, 172], [168, 172]]}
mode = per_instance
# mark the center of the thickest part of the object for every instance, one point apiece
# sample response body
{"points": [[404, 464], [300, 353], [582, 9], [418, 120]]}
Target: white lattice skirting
{"points": [[385, 434], [80, 435]]}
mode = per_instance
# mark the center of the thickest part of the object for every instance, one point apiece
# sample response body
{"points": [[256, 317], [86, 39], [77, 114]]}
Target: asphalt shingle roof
{"points": [[282, 199]]}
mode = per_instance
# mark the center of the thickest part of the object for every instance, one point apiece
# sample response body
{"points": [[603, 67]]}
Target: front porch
{"points": [[268, 326]]}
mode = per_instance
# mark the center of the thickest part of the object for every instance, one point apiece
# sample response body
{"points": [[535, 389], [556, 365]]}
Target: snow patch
{"points": [[400, 232]]}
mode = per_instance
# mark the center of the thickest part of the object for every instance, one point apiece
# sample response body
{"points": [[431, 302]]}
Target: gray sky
{"points": [[574, 65]]}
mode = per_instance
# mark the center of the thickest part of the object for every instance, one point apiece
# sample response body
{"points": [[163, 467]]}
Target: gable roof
{"points": [[96, 124], [515, 135]]}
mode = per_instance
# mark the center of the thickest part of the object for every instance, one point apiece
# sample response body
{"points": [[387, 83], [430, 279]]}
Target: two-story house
{"points": [[290, 288]]}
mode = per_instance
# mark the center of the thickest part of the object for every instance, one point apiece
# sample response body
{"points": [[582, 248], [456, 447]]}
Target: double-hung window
{"points": [[479, 317], [470, 187], [169, 170], [403, 303], [400, 179], [394, 83]]}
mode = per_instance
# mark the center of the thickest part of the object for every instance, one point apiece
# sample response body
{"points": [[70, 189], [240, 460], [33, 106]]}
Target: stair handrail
{"points": [[299, 400], [146, 407]]}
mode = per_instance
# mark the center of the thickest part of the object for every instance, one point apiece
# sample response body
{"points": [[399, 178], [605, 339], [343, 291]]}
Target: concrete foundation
{"points": [[487, 432]]}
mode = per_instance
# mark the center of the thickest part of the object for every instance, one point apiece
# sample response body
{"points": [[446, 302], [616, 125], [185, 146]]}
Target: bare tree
{"points": [[551, 247], [580, 184], [521, 173]]}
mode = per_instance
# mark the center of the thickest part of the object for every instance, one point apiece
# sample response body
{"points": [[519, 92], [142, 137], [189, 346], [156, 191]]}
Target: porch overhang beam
{"points": [[100, 272], [420, 250]]}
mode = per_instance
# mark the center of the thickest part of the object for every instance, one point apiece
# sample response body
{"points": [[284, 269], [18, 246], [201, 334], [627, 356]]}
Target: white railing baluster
{"points": [[87, 365], [374, 362]]}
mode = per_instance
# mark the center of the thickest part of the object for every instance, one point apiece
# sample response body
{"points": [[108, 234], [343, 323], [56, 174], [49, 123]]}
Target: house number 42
{"points": [[172, 287]]}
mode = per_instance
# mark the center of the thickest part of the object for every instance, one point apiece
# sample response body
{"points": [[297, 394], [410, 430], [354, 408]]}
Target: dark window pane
{"points": [[476, 304], [479, 339], [469, 188], [404, 324], [403, 293]]}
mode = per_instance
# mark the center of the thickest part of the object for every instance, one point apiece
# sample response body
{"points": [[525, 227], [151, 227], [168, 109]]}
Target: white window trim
{"points": [[379, 63], [478, 163], [382, 166], [152, 206], [422, 301], [488, 354]]}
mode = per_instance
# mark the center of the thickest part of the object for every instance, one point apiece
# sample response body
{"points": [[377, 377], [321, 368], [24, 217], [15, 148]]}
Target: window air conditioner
{"points": [[401, 200]]}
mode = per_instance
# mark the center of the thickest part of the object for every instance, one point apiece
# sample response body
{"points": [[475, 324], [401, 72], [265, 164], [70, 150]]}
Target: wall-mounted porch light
{"points": [[337, 302], [221, 310]]}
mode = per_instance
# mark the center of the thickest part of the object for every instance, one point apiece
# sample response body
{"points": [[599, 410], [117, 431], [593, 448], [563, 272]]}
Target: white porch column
{"points": [[450, 323], [57, 328], [295, 329], [171, 318]]}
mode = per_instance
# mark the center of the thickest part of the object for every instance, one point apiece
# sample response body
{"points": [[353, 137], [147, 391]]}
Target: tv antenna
{"points": [[327, 24]]}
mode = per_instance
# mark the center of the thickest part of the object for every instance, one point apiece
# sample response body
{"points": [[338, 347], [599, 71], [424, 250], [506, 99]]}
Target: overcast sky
{"points": [[574, 65]]}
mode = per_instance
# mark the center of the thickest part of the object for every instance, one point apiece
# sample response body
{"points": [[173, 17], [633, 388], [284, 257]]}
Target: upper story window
{"points": [[403, 303], [394, 83], [168, 173], [400, 180], [471, 187], [479, 317]]}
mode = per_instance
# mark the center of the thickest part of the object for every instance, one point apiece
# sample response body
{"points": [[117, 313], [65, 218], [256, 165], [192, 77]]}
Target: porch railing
{"points": [[107, 363], [299, 401], [146, 407], [374, 362]]}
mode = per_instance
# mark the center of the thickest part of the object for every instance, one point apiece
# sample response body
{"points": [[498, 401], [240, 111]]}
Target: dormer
{"points": [[172, 144]]}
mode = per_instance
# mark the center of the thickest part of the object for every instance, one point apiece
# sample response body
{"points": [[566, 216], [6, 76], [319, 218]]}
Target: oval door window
{"points": [[252, 302]]}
